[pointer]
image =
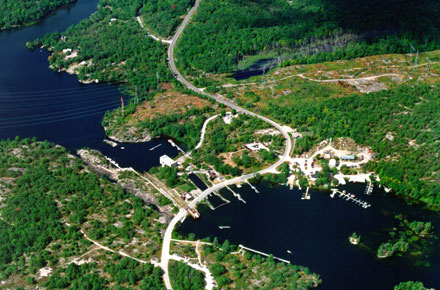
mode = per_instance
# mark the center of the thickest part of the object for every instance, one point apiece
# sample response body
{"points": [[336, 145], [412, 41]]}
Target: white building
{"points": [[332, 163], [255, 147], [165, 160]]}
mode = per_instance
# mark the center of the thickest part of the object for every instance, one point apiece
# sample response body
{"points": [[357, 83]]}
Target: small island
{"points": [[405, 237], [354, 238]]}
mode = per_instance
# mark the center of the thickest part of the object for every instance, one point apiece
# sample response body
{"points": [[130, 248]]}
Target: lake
{"points": [[316, 231]]}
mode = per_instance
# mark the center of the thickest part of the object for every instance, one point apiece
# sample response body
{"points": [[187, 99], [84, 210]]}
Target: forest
{"points": [[110, 46], [225, 141], [163, 16], [49, 200], [183, 277], [410, 285], [409, 163], [223, 33], [18, 13]]}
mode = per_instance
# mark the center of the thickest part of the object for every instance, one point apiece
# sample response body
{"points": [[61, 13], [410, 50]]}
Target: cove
{"points": [[316, 231], [37, 102]]}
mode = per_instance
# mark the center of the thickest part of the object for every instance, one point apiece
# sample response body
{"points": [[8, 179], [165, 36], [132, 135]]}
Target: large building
{"points": [[348, 157], [165, 160]]}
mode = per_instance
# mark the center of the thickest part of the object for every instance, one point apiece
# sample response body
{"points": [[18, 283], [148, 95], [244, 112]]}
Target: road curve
{"points": [[202, 135], [165, 257]]}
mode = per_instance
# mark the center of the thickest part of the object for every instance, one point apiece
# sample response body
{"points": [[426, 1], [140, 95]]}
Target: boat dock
{"points": [[369, 188], [175, 145], [253, 187], [263, 254], [306, 194], [236, 194], [349, 197]]}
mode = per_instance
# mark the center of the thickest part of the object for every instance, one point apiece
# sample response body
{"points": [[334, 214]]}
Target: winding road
{"points": [[165, 257]]}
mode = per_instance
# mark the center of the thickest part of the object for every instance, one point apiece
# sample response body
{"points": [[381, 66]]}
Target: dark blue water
{"points": [[37, 102], [260, 67], [317, 231], [197, 181]]}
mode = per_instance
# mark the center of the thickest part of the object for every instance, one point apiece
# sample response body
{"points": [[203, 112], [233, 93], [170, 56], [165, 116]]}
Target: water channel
{"points": [[35, 101]]}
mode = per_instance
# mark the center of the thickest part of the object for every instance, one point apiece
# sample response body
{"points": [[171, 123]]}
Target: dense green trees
{"points": [[407, 236], [252, 271], [110, 46], [224, 32], [183, 277], [163, 16], [410, 285], [408, 164], [50, 197], [18, 13]]}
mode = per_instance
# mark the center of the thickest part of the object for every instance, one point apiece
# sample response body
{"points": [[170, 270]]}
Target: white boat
{"points": [[289, 251], [224, 227]]}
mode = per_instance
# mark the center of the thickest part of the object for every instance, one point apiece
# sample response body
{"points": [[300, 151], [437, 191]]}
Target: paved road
{"points": [[165, 257]]}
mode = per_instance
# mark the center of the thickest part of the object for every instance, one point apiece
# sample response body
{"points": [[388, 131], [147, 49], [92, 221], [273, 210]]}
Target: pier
{"points": [[253, 187], [306, 195], [226, 201], [263, 254], [349, 197], [175, 145], [236, 194], [369, 188]]}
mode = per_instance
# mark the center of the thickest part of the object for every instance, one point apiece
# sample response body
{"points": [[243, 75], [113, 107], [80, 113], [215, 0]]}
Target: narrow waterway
{"points": [[37, 102], [316, 231]]}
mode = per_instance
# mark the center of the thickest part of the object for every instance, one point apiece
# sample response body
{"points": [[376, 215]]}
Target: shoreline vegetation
{"points": [[232, 265], [407, 237], [18, 14], [96, 233], [354, 239], [397, 142]]}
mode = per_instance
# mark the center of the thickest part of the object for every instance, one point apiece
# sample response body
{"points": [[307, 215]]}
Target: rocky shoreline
{"points": [[127, 179]]}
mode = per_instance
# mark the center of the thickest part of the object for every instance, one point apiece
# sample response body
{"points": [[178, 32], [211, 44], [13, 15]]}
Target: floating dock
{"points": [[224, 227], [152, 148]]}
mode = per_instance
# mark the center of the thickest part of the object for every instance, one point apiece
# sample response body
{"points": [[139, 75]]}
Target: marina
{"points": [[350, 197], [316, 231]]}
